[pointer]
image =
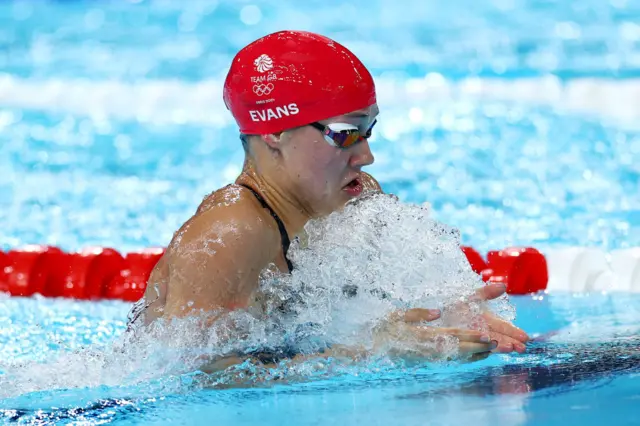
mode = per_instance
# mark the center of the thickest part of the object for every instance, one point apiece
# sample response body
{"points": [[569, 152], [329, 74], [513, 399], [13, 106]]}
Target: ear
{"points": [[272, 140]]}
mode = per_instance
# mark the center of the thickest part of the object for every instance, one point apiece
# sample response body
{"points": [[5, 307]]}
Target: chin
{"points": [[332, 205]]}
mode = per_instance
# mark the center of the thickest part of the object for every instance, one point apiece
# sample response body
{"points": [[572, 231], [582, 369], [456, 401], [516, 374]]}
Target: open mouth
{"points": [[354, 187], [353, 184]]}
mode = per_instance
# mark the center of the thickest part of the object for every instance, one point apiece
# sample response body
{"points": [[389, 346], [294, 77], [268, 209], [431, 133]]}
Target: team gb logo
{"points": [[263, 63]]}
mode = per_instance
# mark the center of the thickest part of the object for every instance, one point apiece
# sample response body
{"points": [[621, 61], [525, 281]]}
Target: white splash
{"points": [[376, 256]]}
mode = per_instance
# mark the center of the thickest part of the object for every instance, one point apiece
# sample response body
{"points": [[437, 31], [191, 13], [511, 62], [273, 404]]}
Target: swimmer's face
{"points": [[325, 176]]}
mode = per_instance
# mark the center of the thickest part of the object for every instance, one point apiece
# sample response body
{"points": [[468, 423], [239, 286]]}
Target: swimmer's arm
{"points": [[471, 349], [215, 265], [402, 328], [345, 353]]}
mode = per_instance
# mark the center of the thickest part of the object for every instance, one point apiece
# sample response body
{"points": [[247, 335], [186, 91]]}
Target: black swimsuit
{"points": [[283, 231], [272, 355]]}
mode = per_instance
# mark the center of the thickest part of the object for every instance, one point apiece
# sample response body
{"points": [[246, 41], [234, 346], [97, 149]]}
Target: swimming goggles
{"points": [[343, 135]]}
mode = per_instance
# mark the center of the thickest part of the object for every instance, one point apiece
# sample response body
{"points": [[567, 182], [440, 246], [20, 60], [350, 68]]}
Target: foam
{"points": [[395, 257], [377, 256], [172, 101]]}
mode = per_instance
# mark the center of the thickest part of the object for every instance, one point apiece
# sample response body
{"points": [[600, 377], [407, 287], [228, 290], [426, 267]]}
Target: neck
{"points": [[292, 214]]}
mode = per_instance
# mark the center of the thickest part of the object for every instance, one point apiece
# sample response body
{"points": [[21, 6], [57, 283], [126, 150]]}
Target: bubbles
{"points": [[376, 256]]}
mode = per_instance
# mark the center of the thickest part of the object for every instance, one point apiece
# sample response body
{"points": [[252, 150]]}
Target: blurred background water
{"points": [[515, 119]]}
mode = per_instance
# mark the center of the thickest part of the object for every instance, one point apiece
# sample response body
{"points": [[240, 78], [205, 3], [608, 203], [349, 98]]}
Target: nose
{"points": [[362, 155]]}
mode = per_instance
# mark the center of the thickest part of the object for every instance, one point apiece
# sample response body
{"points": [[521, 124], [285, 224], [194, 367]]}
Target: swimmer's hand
{"points": [[406, 335], [509, 337]]}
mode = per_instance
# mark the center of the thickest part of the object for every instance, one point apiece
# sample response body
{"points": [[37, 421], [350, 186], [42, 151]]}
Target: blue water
{"points": [[89, 158], [588, 373]]}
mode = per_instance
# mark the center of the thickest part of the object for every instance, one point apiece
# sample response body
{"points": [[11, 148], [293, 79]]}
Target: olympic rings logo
{"points": [[263, 89]]}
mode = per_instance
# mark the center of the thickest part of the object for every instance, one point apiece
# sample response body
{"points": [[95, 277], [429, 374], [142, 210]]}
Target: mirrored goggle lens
{"points": [[345, 135], [345, 138]]}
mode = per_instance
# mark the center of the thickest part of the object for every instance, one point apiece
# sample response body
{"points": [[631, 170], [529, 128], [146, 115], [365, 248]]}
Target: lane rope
{"points": [[95, 273]]}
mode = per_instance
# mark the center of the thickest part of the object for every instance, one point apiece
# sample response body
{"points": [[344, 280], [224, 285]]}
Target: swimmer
{"points": [[305, 106]]}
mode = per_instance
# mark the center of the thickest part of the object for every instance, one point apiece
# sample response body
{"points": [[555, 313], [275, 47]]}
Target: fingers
{"points": [[503, 337], [415, 315], [470, 336], [420, 315], [469, 341], [474, 341], [422, 333], [489, 292], [506, 344], [432, 342], [500, 326], [503, 347]]}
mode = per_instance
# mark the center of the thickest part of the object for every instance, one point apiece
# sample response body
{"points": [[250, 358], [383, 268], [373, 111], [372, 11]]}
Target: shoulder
{"points": [[215, 259], [227, 196], [230, 218]]}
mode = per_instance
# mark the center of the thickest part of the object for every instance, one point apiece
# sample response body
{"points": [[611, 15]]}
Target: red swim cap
{"points": [[292, 78]]}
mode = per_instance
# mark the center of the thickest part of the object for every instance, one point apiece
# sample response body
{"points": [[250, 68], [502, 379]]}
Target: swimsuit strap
{"points": [[283, 231]]}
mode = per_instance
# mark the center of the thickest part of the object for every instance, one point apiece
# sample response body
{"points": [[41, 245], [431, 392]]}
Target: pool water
{"points": [[517, 121], [583, 367]]}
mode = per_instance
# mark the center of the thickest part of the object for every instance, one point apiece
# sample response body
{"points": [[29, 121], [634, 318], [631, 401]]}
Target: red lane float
{"points": [[522, 269], [5, 269], [92, 273], [104, 273], [88, 273], [30, 269]]}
